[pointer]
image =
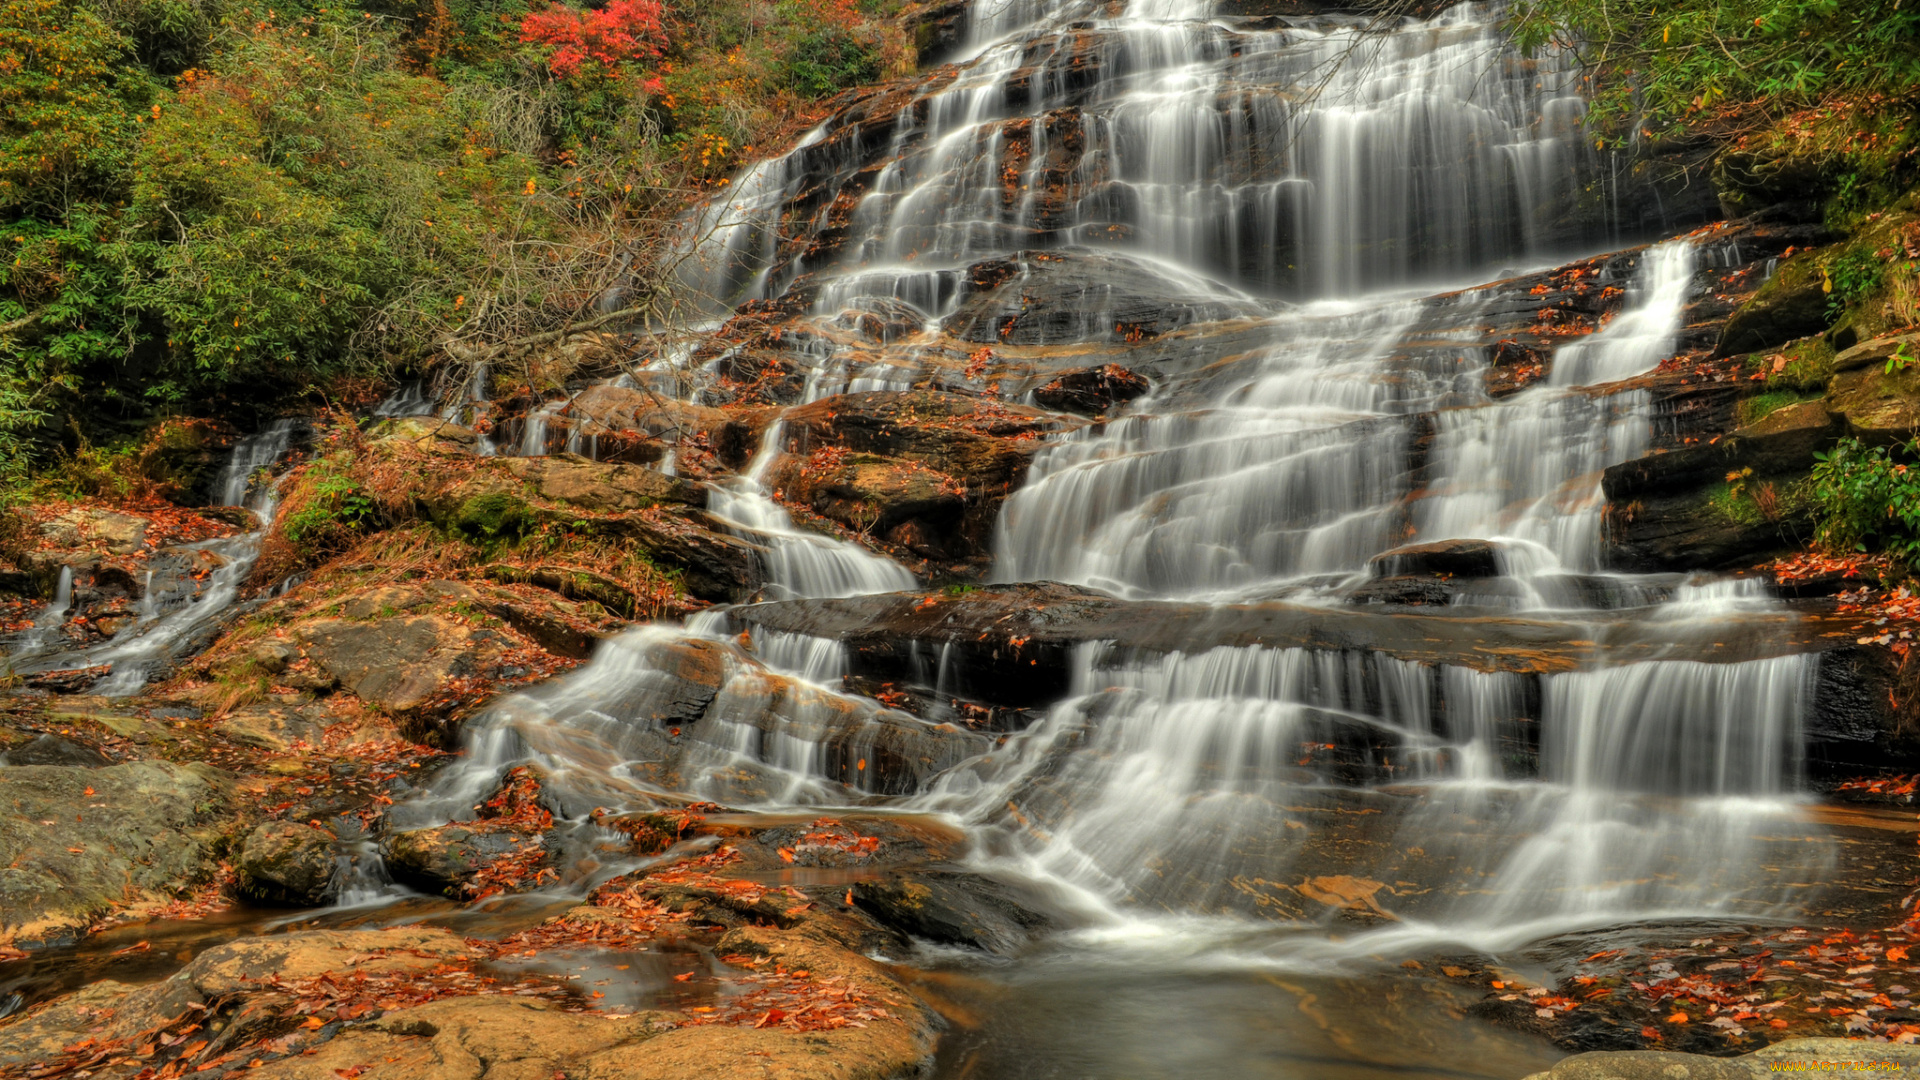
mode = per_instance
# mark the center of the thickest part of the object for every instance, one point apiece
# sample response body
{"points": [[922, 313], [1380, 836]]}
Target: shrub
{"points": [[1866, 500]]}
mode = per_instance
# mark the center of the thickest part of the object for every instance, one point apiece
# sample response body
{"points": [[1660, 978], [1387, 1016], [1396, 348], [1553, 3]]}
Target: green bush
{"points": [[1662, 64], [1866, 500], [829, 60]]}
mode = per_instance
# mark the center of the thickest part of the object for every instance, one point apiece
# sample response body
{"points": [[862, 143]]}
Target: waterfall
{"points": [[173, 619], [1320, 199], [798, 563]]}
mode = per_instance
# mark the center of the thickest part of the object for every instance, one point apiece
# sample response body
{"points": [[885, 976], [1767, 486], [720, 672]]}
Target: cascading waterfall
{"points": [[1304, 179]]}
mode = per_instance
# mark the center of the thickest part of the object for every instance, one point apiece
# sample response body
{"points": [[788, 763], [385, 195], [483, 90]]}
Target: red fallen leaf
{"points": [[1777, 1023], [1650, 1033], [683, 978], [1678, 1018], [786, 853], [1602, 955], [796, 909], [89, 791], [194, 1048], [140, 947], [773, 1016], [1897, 953]]}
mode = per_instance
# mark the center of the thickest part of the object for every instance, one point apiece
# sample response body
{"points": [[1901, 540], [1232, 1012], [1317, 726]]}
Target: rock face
{"points": [[1791, 305], [75, 840], [287, 862], [950, 908], [1712, 506], [1091, 391], [444, 859], [1879, 406], [925, 470]]}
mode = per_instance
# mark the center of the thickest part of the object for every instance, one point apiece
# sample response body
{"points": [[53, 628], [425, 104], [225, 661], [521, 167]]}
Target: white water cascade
{"points": [[1298, 190]]}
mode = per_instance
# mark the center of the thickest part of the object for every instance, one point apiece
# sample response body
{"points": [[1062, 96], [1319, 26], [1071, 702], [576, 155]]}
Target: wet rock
{"points": [[601, 487], [69, 680], [428, 433], [1719, 504], [97, 530], [1791, 305], [112, 1011], [54, 750], [1877, 352], [1446, 558], [75, 842], [398, 664], [1409, 590], [286, 862], [931, 467], [1050, 298], [938, 29], [1091, 391], [446, 858], [1513, 367], [950, 908]]}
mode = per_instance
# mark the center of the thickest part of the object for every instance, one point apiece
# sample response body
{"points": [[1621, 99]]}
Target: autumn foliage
{"points": [[609, 39]]}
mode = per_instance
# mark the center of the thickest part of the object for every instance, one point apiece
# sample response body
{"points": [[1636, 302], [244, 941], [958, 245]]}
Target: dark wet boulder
{"points": [[1050, 298], [445, 859], [76, 842], [950, 908], [54, 750], [1091, 391], [1443, 558], [286, 862], [1717, 504], [1410, 589], [1513, 367]]}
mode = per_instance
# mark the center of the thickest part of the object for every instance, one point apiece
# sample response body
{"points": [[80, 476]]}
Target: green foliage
{"points": [[830, 59], [1665, 64], [1850, 277], [1866, 500], [332, 509]]}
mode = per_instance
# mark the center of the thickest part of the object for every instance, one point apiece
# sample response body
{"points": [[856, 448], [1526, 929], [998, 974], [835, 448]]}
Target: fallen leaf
{"points": [[1678, 1018]]}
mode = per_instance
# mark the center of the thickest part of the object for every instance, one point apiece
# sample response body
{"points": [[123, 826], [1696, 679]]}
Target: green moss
{"points": [[493, 518], [1809, 364], [1755, 409]]}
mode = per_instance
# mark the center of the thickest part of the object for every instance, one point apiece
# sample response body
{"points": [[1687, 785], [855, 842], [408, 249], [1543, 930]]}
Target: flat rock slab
{"points": [[1836, 1056]]}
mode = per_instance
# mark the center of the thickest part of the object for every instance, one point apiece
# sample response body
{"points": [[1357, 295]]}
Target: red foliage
{"points": [[622, 32]]}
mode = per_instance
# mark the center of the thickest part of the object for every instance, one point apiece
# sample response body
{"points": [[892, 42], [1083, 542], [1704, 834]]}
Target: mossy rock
{"points": [[1792, 304], [493, 516]]}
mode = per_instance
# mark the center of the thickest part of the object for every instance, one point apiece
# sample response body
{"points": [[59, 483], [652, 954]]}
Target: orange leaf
{"points": [[89, 791], [683, 978], [786, 853], [1897, 953], [1678, 1018]]}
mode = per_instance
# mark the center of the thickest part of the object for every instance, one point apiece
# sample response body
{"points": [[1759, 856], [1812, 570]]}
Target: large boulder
{"points": [[445, 859], [1878, 405], [77, 841], [287, 862], [398, 664], [1793, 304]]}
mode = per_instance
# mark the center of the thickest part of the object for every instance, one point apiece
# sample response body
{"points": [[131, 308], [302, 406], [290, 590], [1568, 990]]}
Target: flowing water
{"points": [[180, 612], [1316, 181]]}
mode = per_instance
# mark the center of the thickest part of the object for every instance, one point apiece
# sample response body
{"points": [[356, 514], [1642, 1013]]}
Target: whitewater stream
{"points": [[1333, 189]]}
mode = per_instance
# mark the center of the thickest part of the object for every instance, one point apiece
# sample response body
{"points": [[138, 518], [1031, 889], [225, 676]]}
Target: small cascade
{"points": [[470, 407], [179, 619], [665, 713], [410, 400], [360, 877], [798, 563]]}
